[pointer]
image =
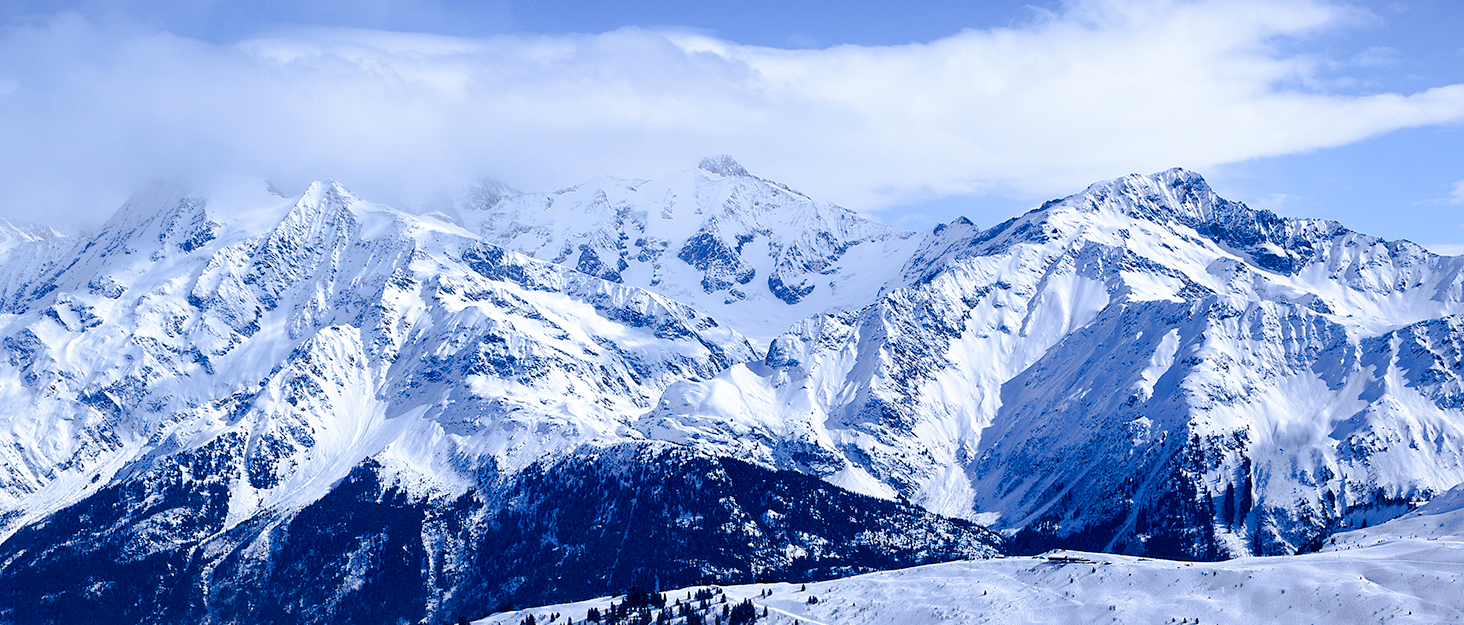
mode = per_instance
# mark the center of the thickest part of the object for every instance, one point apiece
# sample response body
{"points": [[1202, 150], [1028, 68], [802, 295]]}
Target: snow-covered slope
{"points": [[25, 252], [1439, 524], [379, 548], [1402, 571], [320, 330], [1379, 584], [750, 252], [320, 410], [1143, 367]]}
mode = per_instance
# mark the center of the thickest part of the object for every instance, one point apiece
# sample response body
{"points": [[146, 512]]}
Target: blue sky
{"points": [[912, 112]]}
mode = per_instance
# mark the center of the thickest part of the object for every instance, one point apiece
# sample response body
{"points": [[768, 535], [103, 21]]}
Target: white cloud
{"points": [[1447, 249], [1105, 88], [1377, 56], [1455, 197], [1274, 202]]}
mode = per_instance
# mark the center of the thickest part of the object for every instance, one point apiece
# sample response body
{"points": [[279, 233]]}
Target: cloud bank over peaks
{"points": [[1103, 88]]}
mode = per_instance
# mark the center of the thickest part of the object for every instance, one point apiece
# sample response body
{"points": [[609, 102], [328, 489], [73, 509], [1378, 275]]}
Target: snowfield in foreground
{"points": [[1404, 571]]}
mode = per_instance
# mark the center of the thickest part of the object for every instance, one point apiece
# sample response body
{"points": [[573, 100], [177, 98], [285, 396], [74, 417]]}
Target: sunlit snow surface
{"points": [[1404, 571]]}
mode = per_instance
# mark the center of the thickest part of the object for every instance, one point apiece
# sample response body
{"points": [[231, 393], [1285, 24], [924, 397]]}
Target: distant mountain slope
{"points": [[751, 252], [1143, 367]]}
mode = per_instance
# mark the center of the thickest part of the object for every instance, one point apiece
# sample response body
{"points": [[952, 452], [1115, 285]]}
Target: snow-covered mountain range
{"points": [[750, 252], [1143, 367], [321, 339], [221, 393], [221, 398]]}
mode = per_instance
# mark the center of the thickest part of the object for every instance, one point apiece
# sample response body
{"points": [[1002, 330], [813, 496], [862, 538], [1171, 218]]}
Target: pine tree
{"points": [[743, 613]]}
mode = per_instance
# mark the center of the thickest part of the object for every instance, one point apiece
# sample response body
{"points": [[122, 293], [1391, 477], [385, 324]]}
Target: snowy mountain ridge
{"points": [[748, 251], [923, 394], [1192, 346], [219, 392], [315, 409], [323, 340]]}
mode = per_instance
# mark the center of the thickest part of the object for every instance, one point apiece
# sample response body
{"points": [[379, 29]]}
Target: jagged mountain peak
{"points": [[349, 402], [1117, 324], [14, 234], [1176, 191], [1143, 367], [168, 222], [487, 194], [722, 165], [26, 251], [1174, 195], [451, 349], [1169, 195], [1174, 223], [756, 253], [1178, 197]]}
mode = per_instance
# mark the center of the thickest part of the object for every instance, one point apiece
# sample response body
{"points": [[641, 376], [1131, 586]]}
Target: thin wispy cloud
{"points": [[1104, 88], [1447, 249], [1456, 196]]}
